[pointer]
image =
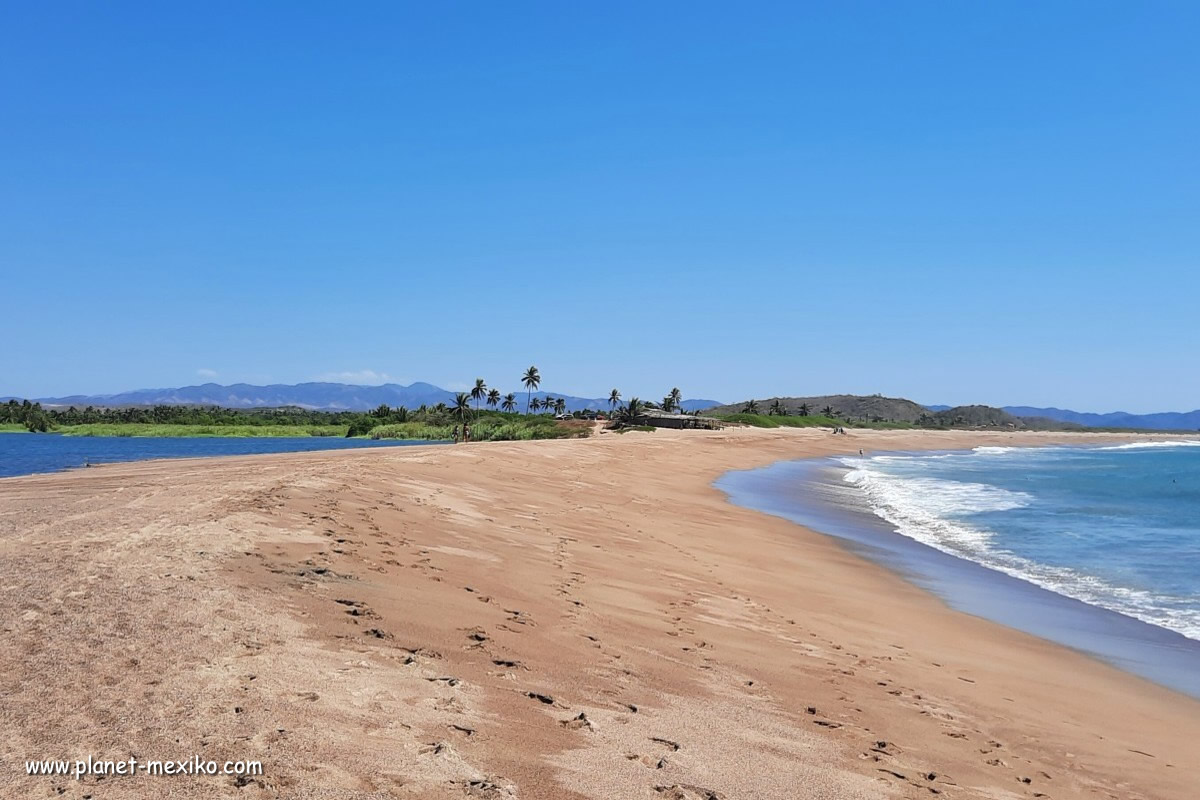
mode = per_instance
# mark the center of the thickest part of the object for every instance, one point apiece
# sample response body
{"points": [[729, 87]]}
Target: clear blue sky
{"points": [[953, 202]]}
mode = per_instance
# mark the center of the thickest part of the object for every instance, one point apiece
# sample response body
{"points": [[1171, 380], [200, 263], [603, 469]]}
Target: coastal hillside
{"points": [[978, 416], [840, 406], [880, 409]]}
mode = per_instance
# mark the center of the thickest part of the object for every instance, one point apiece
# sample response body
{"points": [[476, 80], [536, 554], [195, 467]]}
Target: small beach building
{"points": [[663, 419]]}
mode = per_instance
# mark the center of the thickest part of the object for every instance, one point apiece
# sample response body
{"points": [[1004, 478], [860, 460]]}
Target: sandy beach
{"points": [[558, 619]]}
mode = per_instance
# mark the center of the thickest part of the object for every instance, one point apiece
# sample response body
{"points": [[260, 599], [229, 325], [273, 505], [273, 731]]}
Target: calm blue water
{"points": [[1095, 548], [1116, 527], [28, 453]]}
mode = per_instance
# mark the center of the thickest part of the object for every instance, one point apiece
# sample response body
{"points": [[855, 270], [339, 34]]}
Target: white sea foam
{"points": [[929, 510], [1141, 445]]}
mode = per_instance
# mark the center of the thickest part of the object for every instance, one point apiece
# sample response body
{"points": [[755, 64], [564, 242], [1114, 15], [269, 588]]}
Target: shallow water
{"points": [[29, 453], [1095, 548]]}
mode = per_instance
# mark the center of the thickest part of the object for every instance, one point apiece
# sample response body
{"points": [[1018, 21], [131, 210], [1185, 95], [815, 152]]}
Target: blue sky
{"points": [[953, 202]]}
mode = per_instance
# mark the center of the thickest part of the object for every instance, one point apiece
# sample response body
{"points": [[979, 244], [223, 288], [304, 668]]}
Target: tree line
{"points": [[37, 418], [465, 404]]}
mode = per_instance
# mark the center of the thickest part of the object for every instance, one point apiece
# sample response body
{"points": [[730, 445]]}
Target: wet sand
{"points": [[542, 619]]}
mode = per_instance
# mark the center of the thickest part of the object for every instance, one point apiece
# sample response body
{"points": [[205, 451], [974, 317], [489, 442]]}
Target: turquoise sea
{"points": [[1117, 527], [1095, 547]]}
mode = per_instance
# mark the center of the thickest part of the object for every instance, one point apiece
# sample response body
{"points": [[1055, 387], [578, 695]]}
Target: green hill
{"points": [[875, 409], [864, 408]]}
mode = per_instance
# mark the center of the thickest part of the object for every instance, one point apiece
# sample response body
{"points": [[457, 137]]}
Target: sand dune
{"points": [[562, 619]]}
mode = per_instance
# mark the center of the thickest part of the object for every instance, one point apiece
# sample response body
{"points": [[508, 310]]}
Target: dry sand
{"points": [[538, 620]]}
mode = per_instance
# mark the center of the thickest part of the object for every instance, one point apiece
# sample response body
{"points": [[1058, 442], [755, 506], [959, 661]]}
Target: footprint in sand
{"points": [[577, 723], [687, 791]]}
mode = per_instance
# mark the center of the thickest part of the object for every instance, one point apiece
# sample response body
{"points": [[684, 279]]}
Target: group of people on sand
{"points": [[466, 433]]}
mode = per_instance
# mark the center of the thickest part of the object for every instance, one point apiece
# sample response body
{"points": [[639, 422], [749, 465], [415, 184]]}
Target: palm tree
{"points": [[560, 406], [631, 410], [776, 409], [478, 392], [510, 402], [827, 411], [547, 403], [676, 399], [751, 407], [493, 398], [532, 379], [532, 405], [462, 406], [667, 403], [804, 409], [614, 398]]}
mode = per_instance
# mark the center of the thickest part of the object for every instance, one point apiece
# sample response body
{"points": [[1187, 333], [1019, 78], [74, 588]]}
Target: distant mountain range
{"points": [[348, 397], [321, 396], [1162, 421]]}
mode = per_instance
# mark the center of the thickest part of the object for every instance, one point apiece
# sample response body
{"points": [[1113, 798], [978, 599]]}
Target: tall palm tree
{"points": [[676, 399], [532, 405], [804, 409], [776, 409], [510, 402], [631, 410], [613, 399], [493, 398], [751, 407], [462, 406], [532, 379], [478, 392], [560, 406], [668, 404], [827, 411], [547, 403]]}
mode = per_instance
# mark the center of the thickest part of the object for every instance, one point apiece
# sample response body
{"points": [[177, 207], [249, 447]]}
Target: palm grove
{"points": [[493, 415]]}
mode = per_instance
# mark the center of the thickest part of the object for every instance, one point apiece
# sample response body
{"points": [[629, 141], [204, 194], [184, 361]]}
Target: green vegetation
{"points": [[486, 426], [642, 428], [151, 429], [778, 421], [433, 423], [33, 417], [781, 421]]}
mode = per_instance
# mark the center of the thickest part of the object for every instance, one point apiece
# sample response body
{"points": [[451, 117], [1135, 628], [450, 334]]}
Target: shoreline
{"points": [[803, 493], [421, 605]]}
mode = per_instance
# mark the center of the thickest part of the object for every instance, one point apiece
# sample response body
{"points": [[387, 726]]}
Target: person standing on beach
{"points": [[466, 433], [456, 434]]}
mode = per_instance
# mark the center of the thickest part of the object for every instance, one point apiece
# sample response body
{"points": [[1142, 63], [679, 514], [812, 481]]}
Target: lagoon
{"points": [[30, 453]]}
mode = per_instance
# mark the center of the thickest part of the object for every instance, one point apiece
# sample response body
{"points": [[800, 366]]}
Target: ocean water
{"points": [[29, 453], [1096, 548], [1116, 527]]}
